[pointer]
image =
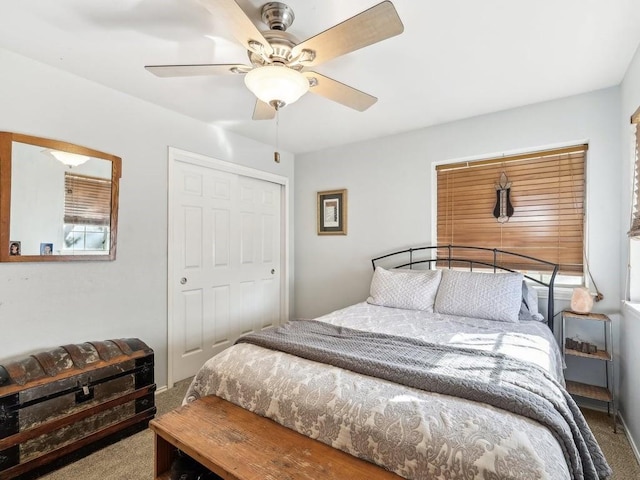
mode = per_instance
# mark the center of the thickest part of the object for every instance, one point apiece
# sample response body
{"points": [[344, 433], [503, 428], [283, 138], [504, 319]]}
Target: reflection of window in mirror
{"points": [[87, 213]]}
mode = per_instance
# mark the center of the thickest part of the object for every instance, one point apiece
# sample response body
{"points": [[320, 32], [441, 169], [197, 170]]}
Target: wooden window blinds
{"points": [[635, 219], [87, 200], [547, 193]]}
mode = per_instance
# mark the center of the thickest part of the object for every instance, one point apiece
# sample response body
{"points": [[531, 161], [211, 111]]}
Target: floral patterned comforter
{"points": [[414, 433]]}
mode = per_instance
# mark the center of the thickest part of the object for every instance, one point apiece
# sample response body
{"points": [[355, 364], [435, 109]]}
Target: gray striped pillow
{"points": [[401, 288], [480, 295]]}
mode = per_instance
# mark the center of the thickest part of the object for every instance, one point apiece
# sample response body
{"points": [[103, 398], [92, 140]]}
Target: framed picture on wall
{"points": [[332, 212]]}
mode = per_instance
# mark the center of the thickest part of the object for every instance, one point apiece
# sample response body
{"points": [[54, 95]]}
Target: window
{"points": [[547, 192], [87, 212]]}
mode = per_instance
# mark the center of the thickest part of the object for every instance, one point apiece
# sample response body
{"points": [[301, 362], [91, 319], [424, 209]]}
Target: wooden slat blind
{"points": [[635, 220], [547, 193], [87, 200]]}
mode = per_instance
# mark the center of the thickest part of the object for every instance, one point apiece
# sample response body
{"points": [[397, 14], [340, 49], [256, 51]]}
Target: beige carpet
{"points": [[132, 458], [615, 446]]}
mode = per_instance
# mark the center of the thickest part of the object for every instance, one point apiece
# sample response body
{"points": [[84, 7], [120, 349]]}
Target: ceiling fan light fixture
{"points": [[276, 84]]}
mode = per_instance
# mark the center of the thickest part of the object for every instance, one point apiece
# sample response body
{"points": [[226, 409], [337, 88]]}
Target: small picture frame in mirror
{"points": [[46, 249], [15, 248]]}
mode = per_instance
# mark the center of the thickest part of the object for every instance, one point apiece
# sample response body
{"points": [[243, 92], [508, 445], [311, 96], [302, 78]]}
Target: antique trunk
{"points": [[59, 405]]}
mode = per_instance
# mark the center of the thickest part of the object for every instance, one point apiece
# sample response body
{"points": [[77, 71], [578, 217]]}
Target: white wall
{"points": [[44, 305], [630, 328]]}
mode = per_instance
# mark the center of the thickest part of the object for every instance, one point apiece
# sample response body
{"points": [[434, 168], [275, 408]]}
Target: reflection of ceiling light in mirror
{"points": [[68, 158]]}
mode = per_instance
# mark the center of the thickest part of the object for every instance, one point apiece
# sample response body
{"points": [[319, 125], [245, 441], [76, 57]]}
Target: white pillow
{"points": [[409, 289], [529, 307], [480, 295]]}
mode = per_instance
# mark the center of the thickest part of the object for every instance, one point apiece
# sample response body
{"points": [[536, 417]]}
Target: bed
{"points": [[440, 373]]}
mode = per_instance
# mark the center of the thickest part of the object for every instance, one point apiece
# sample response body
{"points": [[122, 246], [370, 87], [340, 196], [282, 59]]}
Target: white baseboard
{"points": [[634, 447], [161, 389]]}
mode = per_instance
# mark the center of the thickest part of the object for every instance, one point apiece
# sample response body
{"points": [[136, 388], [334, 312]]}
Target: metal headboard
{"points": [[447, 256]]}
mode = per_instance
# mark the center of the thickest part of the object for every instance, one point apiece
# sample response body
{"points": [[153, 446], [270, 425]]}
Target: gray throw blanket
{"points": [[492, 378]]}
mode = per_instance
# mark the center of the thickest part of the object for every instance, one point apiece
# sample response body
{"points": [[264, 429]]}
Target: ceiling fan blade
{"points": [[371, 26], [339, 92], [242, 28], [196, 70], [263, 111]]}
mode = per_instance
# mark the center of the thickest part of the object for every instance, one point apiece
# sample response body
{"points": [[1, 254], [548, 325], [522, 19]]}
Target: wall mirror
{"points": [[58, 201]]}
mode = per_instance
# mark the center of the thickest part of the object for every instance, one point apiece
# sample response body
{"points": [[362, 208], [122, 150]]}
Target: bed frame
{"points": [[457, 256], [208, 427]]}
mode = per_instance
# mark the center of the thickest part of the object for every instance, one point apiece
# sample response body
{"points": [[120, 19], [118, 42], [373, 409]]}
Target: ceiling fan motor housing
{"points": [[281, 43], [277, 15]]}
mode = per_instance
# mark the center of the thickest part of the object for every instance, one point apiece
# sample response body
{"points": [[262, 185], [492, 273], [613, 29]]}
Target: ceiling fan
{"points": [[280, 70]]}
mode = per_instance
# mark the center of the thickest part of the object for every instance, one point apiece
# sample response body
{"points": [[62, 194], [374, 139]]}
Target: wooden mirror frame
{"points": [[6, 147]]}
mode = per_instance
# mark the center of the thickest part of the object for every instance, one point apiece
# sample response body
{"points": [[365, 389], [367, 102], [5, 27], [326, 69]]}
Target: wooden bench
{"points": [[239, 445]]}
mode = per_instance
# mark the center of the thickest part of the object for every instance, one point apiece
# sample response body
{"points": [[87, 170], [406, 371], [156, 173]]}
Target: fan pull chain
{"points": [[276, 154]]}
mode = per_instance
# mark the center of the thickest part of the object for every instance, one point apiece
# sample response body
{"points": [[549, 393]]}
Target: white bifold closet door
{"points": [[225, 262]]}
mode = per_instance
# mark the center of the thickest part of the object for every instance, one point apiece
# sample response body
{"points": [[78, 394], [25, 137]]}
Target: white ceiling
{"points": [[455, 58]]}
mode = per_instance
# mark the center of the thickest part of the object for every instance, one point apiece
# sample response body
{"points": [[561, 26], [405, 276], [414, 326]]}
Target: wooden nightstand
{"points": [[595, 392]]}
